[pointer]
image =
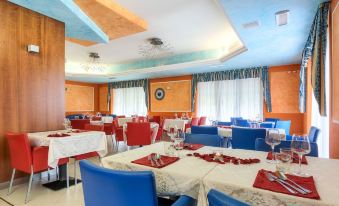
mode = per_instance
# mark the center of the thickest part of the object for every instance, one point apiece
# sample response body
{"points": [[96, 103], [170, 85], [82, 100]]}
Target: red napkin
{"points": [[192, 146], [295, 158], [308, 182], [58, 135], [166, 159], [226, 159]]}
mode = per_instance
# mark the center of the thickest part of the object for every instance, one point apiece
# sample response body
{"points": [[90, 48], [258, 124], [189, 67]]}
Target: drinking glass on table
{"points": [[301, 146], [284, 158], [172, 132], [272, 138], [179, 140]]}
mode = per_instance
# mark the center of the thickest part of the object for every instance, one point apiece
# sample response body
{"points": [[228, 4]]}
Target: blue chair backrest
{"points": [[234, 120], [224, 123], [103, 186], [242, 123], [244, 138], [73, 116], [216, 198], [286, 125], [260, 145], [272, 120], [204, 130], [313, 134], [267, 125], [204, 139]]}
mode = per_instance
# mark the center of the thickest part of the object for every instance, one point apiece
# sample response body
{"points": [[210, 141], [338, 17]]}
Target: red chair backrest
{"points": [[156, 119], [202, 121], [134, 119], [195, 121], [92, 127], [142, 119], [109, 128], [95, 118], [79, 123], [138, 133], [20, 152], [121, 116]]}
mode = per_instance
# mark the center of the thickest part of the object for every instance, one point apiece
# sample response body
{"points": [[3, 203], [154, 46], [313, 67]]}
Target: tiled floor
{"points": [[41, 196]]}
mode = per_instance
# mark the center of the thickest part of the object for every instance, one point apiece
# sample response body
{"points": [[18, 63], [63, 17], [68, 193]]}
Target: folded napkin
{"points": [[295, 158], [192, 146], [262, 182], [165, 159], [223, 159], [58, 135]]}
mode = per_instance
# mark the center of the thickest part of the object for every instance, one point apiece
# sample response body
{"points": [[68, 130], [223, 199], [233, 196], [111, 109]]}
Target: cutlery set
{"points": [[288, 184], [156, 160]]}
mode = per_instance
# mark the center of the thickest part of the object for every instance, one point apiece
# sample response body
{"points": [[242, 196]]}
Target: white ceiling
{"points": [[187, 25]]}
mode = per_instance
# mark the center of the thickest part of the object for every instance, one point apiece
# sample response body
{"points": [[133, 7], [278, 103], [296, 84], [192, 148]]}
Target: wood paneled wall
{"points": [[334, 69], [31, 85]]}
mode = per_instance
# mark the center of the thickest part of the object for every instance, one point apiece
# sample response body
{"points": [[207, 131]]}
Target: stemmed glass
{"points": [[179, 140], [301, 146], [272, 138], [172, 132]]}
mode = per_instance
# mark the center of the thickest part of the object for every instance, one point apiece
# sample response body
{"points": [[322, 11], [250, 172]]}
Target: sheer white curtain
{"points": [[221, 100], [129, 101]]}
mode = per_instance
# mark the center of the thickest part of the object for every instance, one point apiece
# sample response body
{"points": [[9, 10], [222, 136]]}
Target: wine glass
{"points": [[179, 140], [172, 132], [301, 146], [272, 138]]}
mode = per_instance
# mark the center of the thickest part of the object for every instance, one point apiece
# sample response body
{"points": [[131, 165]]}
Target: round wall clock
{"points": [[159, 94]]}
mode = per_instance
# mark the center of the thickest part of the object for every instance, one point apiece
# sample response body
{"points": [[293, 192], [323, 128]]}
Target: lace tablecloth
{"points": [[194, 177], [75, 144], [179, 123]]}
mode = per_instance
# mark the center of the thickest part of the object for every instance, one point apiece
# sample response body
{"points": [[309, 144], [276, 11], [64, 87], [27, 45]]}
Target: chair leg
{"points": [[57, 172], [67, 177], [75, 172], [29, 188], [48, 175], [11, 183]]}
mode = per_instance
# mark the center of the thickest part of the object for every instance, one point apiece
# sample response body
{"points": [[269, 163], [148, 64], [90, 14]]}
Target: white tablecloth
{"points": [[195, 177], [76, 144], [122, 121], [154, 128], [179, 123], [107, 119]]}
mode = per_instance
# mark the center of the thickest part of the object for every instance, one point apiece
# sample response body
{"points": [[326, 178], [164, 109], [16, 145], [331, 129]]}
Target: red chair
{"points": [[119, 132], [138, 134], [142, 119], [121, 116], [96, 118], [194, 122], [79, 123], [27, 159], [89, 127], [202, 121], [155, 119]]}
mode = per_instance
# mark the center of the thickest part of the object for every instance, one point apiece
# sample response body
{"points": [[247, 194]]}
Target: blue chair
{"points": [[286, 125], [234, 120], [204, 139], [244, 138], [272, 120], [74, 116], [103, 186], [242, 123], [313, 134], [216, 198], [268, 125], [260, 145], [204, 130], [224, 123]]}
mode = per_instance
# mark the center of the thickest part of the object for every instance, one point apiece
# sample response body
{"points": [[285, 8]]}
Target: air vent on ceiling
{"points": [[251, 25], [281, 17]]}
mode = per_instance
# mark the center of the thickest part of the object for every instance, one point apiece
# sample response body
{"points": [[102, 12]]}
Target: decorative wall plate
{"points": [[159, 93]]}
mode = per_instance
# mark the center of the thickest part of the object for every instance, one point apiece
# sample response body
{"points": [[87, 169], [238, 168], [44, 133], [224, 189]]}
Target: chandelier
{"points": [[155, 48], [93, 64]]}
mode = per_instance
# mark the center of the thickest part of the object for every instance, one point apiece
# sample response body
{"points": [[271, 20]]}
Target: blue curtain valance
{"points": [[255, 72]]}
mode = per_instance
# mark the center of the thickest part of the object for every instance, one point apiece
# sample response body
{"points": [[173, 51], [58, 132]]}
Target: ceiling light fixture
{"points": [[281, 17], [93, 65], [155, 48]]}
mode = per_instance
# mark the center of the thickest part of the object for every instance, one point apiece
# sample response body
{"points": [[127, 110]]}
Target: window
{"points": [[129, 101]]}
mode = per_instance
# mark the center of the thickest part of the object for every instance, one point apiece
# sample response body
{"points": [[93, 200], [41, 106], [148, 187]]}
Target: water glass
{"points": [[301, 146], [179, 140], [284, 159], [272, 138]]}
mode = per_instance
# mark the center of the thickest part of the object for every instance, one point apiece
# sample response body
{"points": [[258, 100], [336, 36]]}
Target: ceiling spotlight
{"points": [[281, 17]]}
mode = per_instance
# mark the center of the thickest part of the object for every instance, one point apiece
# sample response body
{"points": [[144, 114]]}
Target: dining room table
{"points": [[175, 123], [124, 120], [193, 176], [68, 143]]}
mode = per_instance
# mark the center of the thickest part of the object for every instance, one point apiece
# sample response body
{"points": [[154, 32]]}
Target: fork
{"points": [[287, 184], [158, 156], [271, 179], [154, 158], [151, 160]]}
